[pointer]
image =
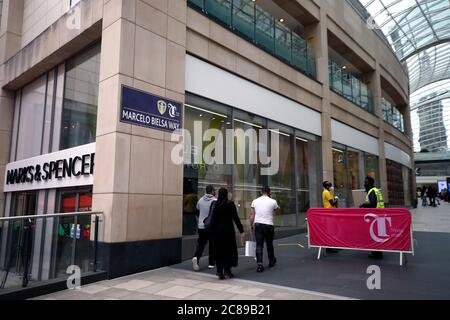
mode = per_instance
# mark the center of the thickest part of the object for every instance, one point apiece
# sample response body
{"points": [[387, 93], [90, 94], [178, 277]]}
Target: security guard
{"points": [[374, 199]]}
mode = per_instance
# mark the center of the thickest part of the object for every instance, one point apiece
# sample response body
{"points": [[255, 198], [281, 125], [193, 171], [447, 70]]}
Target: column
{"points": [[137, 187], [318, 37], [375, 87], [10, 41]]}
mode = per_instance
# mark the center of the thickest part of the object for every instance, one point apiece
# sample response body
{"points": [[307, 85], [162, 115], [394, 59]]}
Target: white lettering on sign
{"points": [[67, 168]]}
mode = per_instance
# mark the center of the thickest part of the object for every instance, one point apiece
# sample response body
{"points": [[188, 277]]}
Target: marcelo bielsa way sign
{"points": [[150, 111]]}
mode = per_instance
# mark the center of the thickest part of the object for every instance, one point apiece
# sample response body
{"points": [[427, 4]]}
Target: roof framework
{"points": [[419, 33]]}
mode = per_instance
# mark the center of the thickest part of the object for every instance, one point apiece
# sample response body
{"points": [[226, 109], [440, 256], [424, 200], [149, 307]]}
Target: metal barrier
{"points": [[41, 247]]}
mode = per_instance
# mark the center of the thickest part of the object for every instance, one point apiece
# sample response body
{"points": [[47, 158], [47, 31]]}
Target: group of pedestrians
{"points": [[216, 220], [218, 216], [429, 196]]}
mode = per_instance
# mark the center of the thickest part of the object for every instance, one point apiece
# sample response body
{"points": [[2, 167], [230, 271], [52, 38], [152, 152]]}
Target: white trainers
{"points": [[195, 266], [211, 266]]}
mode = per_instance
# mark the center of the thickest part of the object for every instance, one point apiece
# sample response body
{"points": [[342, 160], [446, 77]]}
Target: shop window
{"points": [[79, 114], [294, 185], [73, 236]]}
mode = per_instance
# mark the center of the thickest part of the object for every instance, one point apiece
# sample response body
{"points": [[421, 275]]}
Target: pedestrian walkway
{"points": [[432, 219], [298, 274], [174, 284]]}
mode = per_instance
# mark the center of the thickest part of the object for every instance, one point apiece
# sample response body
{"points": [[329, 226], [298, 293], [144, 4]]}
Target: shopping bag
{"points": [[250, 249]]}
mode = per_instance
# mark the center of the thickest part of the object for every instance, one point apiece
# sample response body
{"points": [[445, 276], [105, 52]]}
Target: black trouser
{"points": [[264, 232], [203, 238]]}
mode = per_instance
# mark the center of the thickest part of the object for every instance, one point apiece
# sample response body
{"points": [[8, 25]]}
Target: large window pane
{"points": [[282, 183], [341, 189], [248, 180], [347, 85], [244, 18], [198, 174], [219, 9], [353, 171], [283, 42], [299, 52], [79, 115], [31, 119], [265, 30]]}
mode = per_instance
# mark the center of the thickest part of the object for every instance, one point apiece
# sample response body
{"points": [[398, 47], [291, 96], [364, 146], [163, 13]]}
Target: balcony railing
{"points": [[250, 21], [349, 86], [38, 248]]}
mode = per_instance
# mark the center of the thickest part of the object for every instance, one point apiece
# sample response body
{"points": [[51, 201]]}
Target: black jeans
{"points": [[264, 232], [203, 238]]}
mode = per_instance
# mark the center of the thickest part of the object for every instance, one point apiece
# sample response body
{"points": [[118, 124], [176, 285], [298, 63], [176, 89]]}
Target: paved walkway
{"points": [[340, 276], [174, 284]]}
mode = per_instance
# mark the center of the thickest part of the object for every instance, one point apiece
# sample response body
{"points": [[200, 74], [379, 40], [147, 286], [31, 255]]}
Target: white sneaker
{"points": [[195, 266], [211, 266]]}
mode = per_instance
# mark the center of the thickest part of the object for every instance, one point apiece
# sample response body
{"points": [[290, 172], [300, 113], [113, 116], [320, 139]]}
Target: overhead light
{"points": [[281, 20], [344, 67]]}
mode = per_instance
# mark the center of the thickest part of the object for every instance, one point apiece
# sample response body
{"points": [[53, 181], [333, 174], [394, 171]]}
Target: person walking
{"points": [[261, 222], [374, 199], [203, 206], [224, 235]]}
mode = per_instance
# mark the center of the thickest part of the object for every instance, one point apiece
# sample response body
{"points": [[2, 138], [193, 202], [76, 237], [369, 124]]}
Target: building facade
{"points": [[83, 82]]}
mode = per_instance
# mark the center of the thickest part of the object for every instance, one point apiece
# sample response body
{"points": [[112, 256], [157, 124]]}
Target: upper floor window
{"points": [[347, 82], [392, 115], [79, 114], [257, 25]]}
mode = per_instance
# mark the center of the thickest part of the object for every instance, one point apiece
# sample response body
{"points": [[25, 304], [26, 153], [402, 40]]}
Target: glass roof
{"points": [[419, 33], [410, 25]]}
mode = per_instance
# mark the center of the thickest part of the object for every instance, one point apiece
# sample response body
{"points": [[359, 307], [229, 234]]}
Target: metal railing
{"points": [[41, 247]]}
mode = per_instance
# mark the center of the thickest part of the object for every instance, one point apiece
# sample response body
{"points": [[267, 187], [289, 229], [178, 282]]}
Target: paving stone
{"points": [[93, 289], [179, 292], [211, 295], [246, 291], [134, 285]]}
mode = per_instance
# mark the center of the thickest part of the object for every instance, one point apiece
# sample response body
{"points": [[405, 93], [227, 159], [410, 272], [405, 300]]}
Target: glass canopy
{"points": [[419, 33]]}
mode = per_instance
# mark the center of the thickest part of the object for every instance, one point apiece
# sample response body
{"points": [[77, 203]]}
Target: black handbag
{"points": [[207, 220]]}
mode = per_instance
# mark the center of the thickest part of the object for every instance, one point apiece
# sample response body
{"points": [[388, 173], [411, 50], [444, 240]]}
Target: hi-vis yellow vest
{"points": [[380, 201]]}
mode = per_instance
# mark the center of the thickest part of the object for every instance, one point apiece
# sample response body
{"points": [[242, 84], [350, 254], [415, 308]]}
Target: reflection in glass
{"points": [[281, 183], [79, 115], [198, 175]]}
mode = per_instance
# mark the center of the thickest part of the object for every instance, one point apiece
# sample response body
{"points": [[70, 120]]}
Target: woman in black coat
{"points": [[224, 235]]}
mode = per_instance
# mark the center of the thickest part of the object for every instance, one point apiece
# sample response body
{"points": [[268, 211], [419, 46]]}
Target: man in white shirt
{"points": [[261, 221]]}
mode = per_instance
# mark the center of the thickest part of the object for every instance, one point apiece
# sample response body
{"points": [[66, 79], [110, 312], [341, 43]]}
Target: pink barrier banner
{"points": [[376, 229]]}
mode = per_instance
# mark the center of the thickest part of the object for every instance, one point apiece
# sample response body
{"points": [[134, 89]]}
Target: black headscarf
{"points": [[223, 197]]}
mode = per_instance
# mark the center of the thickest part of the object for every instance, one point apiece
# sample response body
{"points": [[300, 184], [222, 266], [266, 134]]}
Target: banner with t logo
{"points": [[368, 229]]}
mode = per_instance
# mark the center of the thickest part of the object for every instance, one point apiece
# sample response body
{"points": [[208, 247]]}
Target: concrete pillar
{"points": [[375, 87], [136, 184], [10, 38], [318, 38]]}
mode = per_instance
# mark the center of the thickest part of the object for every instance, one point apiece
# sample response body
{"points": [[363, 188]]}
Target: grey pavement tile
{"points": [[211, 295], [179, 292], [218, 286], [186, 282], [243, 297], [134, 284], [249, 291], [157, 287], [139, 296], [116, 293], [93, 289]]}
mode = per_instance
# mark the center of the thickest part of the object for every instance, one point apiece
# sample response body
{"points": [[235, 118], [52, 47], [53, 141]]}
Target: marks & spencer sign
{"points": [[67, 168], [150, 111]]}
